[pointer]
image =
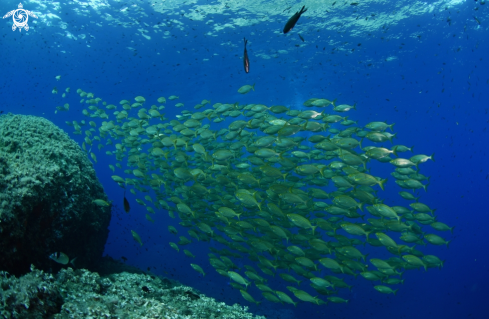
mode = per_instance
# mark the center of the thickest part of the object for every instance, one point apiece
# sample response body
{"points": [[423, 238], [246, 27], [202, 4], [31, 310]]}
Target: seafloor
{"points": [[116, 291]]}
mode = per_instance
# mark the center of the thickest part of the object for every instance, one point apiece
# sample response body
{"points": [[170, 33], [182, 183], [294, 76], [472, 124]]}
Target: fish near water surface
{"points": [[293, 20], [246, 60]]}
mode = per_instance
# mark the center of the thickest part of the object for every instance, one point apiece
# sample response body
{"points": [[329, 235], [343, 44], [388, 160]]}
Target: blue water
{"points": [[423, 67]]}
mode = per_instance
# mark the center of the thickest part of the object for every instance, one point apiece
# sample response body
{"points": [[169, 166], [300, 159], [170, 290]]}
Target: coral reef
{"points": [[73, 294], [34, 295], [47, 184]]}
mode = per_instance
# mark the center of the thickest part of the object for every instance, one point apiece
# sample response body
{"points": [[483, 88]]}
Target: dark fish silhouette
{"points": [[127, 207], [246, 61], [293, 20]]}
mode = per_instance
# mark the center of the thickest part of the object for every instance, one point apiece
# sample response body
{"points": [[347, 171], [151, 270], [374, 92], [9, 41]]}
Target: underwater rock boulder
{"points": [[47, 185]]}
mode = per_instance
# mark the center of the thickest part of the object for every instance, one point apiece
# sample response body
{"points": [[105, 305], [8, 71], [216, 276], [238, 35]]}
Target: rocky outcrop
{"points": [[47, 185]]}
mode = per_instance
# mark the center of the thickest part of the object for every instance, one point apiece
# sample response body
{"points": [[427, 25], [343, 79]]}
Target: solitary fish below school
{"points": [[127, 207], [246, 88]]}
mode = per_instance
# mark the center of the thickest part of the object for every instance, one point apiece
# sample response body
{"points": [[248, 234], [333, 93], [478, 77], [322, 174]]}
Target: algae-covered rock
{"points": [[83, 294], [47, 185], [35, 295], [134, 296]]}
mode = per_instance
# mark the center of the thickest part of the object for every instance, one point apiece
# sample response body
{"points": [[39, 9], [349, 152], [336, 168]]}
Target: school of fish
{"points": [[287, 191]]}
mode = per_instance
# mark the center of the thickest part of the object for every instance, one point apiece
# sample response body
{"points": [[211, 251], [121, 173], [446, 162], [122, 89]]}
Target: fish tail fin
{"points": [[394, 150], [257, 203], [390, 126], [280, 155], [285, 176], [381, 183], [364, 257], [248, 124], [392, 137], [432, 157], [313, 229], [321, 171], [253, 87], [334, 102], [73, 261]]}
